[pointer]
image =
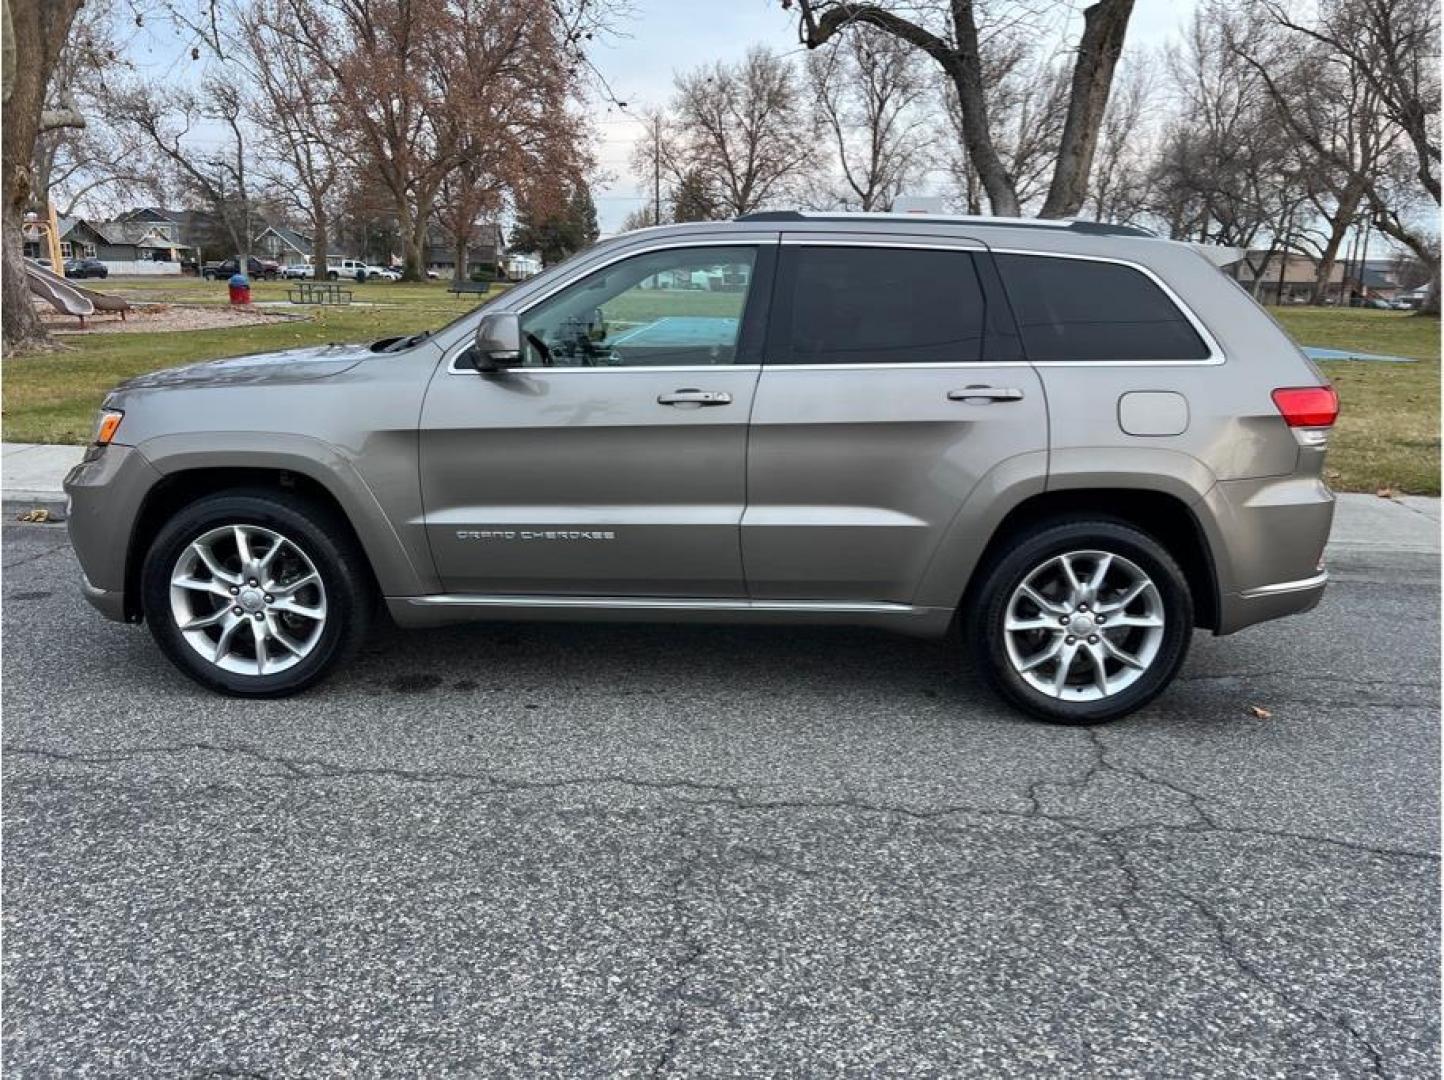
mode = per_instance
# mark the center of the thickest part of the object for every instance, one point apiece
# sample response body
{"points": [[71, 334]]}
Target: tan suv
{"points": [[1078, 441]]}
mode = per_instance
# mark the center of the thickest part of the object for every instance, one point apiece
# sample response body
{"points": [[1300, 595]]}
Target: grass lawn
{"points": [[1388, 430], [1388, 434], [52, 397]]}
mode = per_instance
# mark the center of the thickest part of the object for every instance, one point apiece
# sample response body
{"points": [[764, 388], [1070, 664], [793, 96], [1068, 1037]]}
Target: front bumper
{"points": [[106, 492]]}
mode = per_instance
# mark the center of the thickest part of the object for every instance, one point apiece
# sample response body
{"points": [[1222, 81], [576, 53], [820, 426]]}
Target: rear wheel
{"points": [[1080, 622], [255, 593]]}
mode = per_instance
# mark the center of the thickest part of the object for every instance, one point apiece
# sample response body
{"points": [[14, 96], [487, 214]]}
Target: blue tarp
{"points": [[1313, 352]]}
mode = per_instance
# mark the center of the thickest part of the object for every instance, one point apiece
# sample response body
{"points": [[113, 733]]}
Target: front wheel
{"points": [[1081, 622], [255, 593]]}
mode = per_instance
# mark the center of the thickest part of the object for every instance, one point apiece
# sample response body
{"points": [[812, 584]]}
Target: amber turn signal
{"points": [[106, 425]]}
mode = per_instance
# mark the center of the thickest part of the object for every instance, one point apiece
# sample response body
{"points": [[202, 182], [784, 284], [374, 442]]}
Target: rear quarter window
{"points": [[1082, 309]]}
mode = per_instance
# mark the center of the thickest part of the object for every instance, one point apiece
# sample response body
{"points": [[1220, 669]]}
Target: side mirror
{"points": [[498, 342]]}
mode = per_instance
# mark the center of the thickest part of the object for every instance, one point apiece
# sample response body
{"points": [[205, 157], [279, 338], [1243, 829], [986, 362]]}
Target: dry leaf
{"points": [[1259, 712], [1387, 492], [37, 516]]}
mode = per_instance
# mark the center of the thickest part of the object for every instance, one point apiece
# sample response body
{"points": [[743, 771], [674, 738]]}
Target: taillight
{"points": [[1308, 406]]}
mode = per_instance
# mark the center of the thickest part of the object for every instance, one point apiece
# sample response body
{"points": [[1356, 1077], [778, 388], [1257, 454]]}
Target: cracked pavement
{"points": [[598, 850]]}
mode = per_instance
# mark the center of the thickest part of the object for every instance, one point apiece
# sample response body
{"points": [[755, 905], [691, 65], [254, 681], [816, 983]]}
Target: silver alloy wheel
{"points": [[1084, 626], [248, 599]]}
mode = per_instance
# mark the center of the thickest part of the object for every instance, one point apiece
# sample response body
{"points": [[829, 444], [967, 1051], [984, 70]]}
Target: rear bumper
{"points": [[1275, 601], [1268, 544]]}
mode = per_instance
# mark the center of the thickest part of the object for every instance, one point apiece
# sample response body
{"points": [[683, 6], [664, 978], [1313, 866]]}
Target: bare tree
{"points": [[1119, 189], [217, 173], [1392, 48], [37, 31], [742, 127], [948, 31], [1227, 171], [871, 102], [294, 106], [74, 166]]}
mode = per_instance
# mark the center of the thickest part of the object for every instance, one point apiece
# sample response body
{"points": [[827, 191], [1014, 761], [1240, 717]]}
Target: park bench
{"points": [[318, 292], [459, 287]]}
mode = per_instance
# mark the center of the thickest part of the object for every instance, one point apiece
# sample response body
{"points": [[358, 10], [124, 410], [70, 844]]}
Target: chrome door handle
{"points": [[690, 396], [981, 395]]}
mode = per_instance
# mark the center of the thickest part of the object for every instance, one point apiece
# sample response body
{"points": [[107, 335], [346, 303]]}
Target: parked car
{"points": [[1078, 441], [347, 268], [256, 269], [85, 268], [383, 273], [295, 271]]}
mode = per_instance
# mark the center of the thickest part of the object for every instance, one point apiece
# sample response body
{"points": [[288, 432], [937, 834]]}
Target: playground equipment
{"points": [[53, 288], [68, 298]]}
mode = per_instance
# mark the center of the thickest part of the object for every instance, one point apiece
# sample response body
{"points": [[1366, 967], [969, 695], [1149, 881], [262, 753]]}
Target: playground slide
{"points": [[64, 296]]}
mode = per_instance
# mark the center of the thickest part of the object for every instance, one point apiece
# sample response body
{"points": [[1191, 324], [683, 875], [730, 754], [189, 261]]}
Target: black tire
{"points": [[325, 540], [1027, 551], [331, 275]]}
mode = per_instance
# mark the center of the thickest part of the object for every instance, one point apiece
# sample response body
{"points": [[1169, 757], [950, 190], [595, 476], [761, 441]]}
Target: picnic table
{"points": [[318, 292]]}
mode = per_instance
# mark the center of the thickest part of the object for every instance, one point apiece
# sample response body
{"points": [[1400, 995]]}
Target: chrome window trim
{"points": [[1216, 354], [1215, 351], [591, 268]]}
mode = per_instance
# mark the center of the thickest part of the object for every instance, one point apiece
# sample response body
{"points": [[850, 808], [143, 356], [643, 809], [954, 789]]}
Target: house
{"points": [[284, 244], [485, 252], [1274, 278], [125, 247], [1373, 279]]}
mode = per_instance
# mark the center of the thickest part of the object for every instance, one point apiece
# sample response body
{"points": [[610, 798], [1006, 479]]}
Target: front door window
{"points": [[681, 307]]}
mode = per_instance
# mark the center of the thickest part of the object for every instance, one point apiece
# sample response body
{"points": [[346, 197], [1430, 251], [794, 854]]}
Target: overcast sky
{"points": [[668, 36]]}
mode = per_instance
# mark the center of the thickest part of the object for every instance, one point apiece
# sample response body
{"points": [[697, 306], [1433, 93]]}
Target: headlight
{"points": [[107, 423]]}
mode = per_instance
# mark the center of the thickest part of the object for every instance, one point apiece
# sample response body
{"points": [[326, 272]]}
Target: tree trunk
{"points": [[1342, 223], [34, 31], [22, 326], [413, 241], [1431, 298], [463, 257], [1104, 27], [967, 79], [320, 242]]}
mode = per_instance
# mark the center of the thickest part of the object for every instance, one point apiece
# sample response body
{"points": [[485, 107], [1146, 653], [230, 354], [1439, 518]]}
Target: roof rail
{"points": [[1091, 228]]}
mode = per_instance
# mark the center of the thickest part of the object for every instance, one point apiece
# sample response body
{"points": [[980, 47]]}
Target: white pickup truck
{"points": [[348, 268]]}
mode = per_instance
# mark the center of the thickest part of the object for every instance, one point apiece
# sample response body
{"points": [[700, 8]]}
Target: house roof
{"points": [[300, 241], [152, 213]]}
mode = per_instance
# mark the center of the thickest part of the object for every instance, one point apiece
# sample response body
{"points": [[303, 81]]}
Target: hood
{"points": [[289, 366]]}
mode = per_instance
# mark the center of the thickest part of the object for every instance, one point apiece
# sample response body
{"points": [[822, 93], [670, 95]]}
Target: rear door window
{"points": [[1083, 309], [870, 305]]}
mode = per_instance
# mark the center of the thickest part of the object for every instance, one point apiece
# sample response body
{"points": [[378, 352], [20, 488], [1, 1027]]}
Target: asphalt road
{"points": [[589, 850]]}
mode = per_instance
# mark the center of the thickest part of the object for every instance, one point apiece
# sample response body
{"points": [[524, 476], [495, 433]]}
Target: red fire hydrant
{"points": [[240, 289]]}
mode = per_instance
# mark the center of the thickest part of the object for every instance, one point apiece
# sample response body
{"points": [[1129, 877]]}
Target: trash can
{"points": [[240, 289]]}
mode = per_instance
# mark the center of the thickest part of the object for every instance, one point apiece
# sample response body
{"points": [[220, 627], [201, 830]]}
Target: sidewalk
{"points": [[30, 476]]}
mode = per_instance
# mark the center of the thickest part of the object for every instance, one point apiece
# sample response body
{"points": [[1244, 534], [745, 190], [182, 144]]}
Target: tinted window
{"points": [[860, 305], [1076, 309], [679, 307]]}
